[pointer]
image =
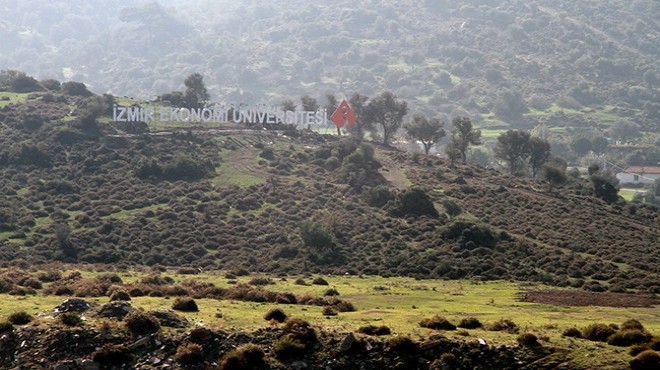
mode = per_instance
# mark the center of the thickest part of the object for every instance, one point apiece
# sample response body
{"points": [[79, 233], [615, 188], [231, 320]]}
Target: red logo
{"points": [[343, 115]]}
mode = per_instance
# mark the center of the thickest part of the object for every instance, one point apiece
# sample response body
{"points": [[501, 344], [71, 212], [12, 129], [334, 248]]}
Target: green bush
{"points": [[276, 314], [629, 337], [301, 330], [647, 360], [414, 202], [470, 323], [469, 233], [331, 292], [120, 295], [189, 354], [19, 318], [185, 304], [437, 323], [319, 281], [328, 311], [140, 323], [598, 332], [71, 319], [112, 355], [572, 332], [527, 339], [245, 357], [288, 348], [378, 196], [504, 325], [632, 324], [374, 330], [402, 344]]}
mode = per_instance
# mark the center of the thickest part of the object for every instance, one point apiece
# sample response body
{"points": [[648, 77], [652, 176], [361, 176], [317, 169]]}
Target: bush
{"points": [[470, 323], [185, 304], [504, 325], [647, 360], [19, 318], [120, 295], [301, 330], [402, 344], [328, 311], [598, 332], [319, 281], [6, 327], [300, 281], [276, 314], [288, 348], [200, 335], [527, 339], [572, 332], [628, 337], [414, 202], [71, 319], [246, 357], [469, 233], [141, 323], [378, 196], [331, 292], [189, 354], [374, 330], [437, 323], [261, 281], [632, 324], [111, 355]]}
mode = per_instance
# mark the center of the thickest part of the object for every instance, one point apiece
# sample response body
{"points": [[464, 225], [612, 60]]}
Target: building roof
{"points": [[655, 170]]}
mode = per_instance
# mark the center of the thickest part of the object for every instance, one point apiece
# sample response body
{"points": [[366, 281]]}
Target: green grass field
{"points": [[14, 98]]}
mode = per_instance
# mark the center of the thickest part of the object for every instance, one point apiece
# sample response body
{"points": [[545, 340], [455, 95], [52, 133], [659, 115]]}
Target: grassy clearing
{"points": [[231, 170], [629, 193], [399, 303], [14, 98]]}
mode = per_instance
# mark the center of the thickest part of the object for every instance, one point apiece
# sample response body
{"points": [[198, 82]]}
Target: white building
{"points": [[639, 175]]}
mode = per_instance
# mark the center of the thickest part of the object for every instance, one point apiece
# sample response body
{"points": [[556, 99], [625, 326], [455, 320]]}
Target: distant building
{"points": [[639, 175]]}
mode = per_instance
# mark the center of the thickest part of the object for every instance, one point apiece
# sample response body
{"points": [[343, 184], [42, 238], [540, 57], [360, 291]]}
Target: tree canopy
{"points": [[427, 131]]}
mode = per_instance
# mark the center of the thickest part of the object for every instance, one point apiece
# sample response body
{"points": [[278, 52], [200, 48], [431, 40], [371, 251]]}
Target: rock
{"points": [[347, 342], [73, 305], [61, 367], [298, 365], [170, 319], [116, 309], [142, 342]]}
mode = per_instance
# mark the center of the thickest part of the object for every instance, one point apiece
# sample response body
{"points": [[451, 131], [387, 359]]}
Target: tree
{"points": [[624, 131], [309, 104], [554, 175], [539, 153], [288, 105], [581, 146], [358, 103], [462, 136], [606, 187], [428, 131], [452, 209], [453, 154], [388, 112], [196, 94], [599, 144], [513, 148], [75, 89]]}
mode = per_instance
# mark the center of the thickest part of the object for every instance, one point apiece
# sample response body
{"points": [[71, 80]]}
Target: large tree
{"points": [[462, 136], [196, 94], [388, 112], [428, 131], [539, 153], [513, 148], [309, 104], [358, 103]]}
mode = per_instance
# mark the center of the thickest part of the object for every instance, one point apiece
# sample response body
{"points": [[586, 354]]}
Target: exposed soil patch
{"points": [[582, 298]]}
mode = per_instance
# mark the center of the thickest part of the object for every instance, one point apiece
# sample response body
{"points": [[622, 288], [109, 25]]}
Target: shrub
{"points": [[414, 202], [632, 324], [527, 339], [111, 355], [189, 354], [319, 281], [120, 295], [469, 233], [504, 325], [6, 327], [374, 330], [437, 323], [402, 344], [246, 357], [300, 281], [70, 319], [185, 304], [301, 330], [572, 332], [19, 318], [261, 281], [328, 311], [140, 323], [331, 292], [200, 335], [378, 196], [628, 337], [288, 347], [470, 323], [598, 332], [647, 360], [276, 314]]}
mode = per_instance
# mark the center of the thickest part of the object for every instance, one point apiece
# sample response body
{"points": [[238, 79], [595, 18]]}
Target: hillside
{"points": [[570, 65], [76, 190]]}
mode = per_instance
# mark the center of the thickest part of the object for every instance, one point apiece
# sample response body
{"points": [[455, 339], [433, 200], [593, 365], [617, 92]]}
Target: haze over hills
{"points": [[505, 63]]}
